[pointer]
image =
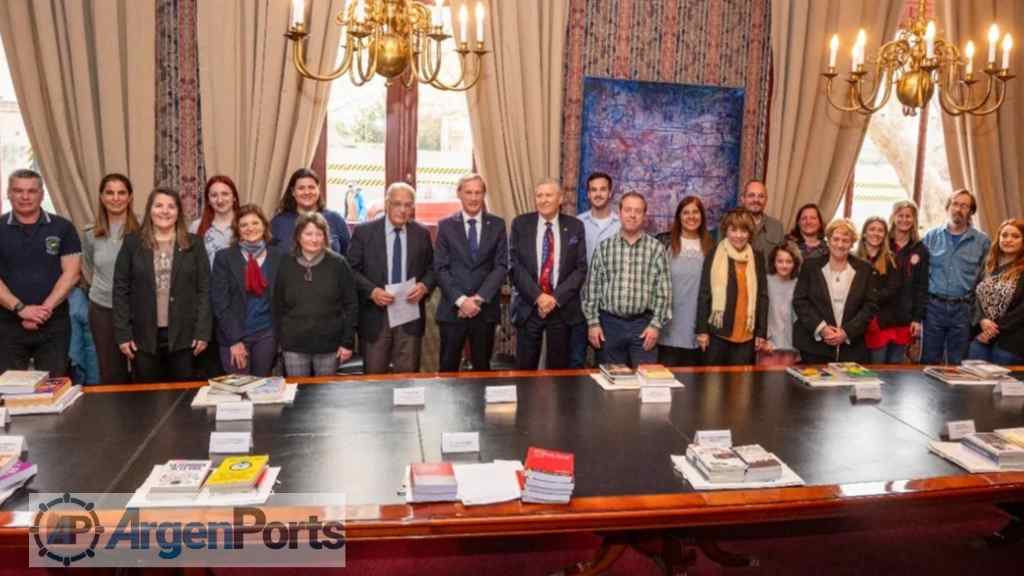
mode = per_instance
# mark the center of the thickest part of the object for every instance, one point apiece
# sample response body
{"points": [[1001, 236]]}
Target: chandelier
{"points": [[917, 62], [395, 39]]}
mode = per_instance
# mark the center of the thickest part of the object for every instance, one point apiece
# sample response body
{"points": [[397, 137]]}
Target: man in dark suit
{"points": [[548, 255], [470, 262], [383, 252]]}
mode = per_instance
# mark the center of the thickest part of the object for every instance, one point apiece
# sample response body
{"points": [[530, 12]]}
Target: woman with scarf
{"points": [[242, 288], [315, 307], [732, 308]]}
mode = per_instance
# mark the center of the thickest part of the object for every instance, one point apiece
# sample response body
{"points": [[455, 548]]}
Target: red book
{"points": [[432, 474], [550, 462]]}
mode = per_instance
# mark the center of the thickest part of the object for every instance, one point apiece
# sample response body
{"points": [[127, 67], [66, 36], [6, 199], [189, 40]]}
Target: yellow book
{"points": [[237, 473], [1012, 435]]}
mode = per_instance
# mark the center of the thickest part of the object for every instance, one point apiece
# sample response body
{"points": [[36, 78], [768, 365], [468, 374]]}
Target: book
{"points": [[996, 448], [957, 376], [21, 381], [717, 464], [761, 464], [548, 476], [237, 474], [47, 393], [269, 390], [654, 375], [617, 372], [851, 370], [8, 460], [235, 383], [180, 477], [814, 377], [984, 369], [432, 482], [17, 475], [1012, 435]]}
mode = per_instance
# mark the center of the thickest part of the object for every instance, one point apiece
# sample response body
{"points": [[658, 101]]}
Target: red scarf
{"points": [[255, 283]]}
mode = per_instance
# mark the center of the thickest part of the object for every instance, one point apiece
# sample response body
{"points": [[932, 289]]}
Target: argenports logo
{"points": [[71, 529]]}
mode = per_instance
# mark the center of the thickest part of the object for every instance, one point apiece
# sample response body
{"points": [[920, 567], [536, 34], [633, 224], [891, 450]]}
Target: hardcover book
{"points": [[237, 473]]}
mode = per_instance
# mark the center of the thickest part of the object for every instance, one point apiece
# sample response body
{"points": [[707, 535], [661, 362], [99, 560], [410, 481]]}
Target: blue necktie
{"points": [[474, 240], [396, 258]]}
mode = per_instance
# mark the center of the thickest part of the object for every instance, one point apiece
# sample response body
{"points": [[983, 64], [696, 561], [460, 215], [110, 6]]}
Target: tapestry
{"points": [[665, 141]]}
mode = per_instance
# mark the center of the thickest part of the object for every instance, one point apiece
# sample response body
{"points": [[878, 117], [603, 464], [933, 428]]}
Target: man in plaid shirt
{"points": [[628, 295]]}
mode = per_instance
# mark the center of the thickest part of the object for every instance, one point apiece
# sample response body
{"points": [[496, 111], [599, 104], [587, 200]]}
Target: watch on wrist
{"points": [[18, 307]]}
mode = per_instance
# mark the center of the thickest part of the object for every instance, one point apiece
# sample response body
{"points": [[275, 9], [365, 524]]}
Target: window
{"points": [[357, 156], [15, 149]]}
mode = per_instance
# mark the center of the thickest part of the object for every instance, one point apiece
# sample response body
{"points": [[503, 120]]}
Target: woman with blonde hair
{"points": [[885, 346], [905, 317], [998, 322], [834, 301]]}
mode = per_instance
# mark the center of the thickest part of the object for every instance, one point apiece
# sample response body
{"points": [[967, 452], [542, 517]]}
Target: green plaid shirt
{"points": [[626, 280]]}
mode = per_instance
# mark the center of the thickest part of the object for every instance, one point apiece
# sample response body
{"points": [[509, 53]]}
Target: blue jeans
{"points": [[888, 354], [622, 341], [992, 353], [947, 332], [578, 345]]}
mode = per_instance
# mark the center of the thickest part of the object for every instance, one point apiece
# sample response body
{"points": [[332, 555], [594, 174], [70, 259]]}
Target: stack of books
{"points": [[237, 384], [180, 478], [237, 387], [432, 482], [15, 472], [21, 381], [960, 376], [269, 390], [655, 375], [997, 448], [717, 465], [852, 373], [237, 474], [762, 465], [48, 392], [984, 369], [618, 373], [549, 476]]}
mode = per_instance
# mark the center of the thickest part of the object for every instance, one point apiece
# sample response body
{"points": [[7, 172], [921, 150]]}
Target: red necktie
{"points": [[549, 260]]}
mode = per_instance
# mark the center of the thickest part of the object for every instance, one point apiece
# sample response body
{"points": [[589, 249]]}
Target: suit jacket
{"points": [[135, 296], [367, 253], [813, 305], [458, 274], [227, 290], [572, 266]]}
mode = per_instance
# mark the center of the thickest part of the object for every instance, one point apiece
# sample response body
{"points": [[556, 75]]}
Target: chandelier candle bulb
{"points": [[833, 51], [1007, 46], [360, 11], [480, 22], [993, 39], [298, 9], [969, 52], [929, 40], [436, 12], [463, 21]]}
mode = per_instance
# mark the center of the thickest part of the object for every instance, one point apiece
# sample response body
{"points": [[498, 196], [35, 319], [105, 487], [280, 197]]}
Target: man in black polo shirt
{"points": [[39, 266]]}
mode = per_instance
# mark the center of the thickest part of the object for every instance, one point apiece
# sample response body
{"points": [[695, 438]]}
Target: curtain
{"points": [[84, 75], [516, 109], [983, 152], [812, 147], [261, 119]]}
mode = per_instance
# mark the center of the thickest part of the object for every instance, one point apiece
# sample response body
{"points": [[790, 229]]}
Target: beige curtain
{"points": [[261, 119], [984, 152], [516, 109], [84, 74], [812, 148]]}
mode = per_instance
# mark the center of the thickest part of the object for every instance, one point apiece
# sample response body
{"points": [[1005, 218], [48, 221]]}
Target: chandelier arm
{"points": [[964, 105], [1000, 97], [463, 85], [365, 74], [881, 78], [828, 94], [459, 84], [299, 58], [430, 69]]}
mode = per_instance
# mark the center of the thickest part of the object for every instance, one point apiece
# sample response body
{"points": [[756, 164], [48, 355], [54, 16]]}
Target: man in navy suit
{"points": [[548, 254], [470, 264], [389, 251]]}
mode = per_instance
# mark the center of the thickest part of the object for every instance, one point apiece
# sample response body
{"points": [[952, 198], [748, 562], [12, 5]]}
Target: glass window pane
{"points": [[356, 127], [15, 148]]}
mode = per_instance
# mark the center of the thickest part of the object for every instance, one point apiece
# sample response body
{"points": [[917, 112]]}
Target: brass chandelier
{"points": [[396, 39], [917, 62]]}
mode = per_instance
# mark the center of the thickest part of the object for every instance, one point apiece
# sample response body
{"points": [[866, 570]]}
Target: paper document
{"points": [[401, 311], [488, 483]]}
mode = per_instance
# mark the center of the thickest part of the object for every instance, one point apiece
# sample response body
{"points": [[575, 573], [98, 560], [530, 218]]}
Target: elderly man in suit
{"points": [[548, 255], [409, 256], [470, 263]]}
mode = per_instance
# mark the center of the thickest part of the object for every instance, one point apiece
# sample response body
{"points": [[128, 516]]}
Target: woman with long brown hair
{"points": [[999, 300], [100, 244], [688, 245], [303, 195], [886, 343], [162, 293], [808, 232]]}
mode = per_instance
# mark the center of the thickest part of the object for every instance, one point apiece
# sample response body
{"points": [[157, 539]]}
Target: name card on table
{"points": [[410, 396], [867, 391], [5, 417], [232, 411], [455, 442], [957, 429], [655, 394], [1010, 388], [230, 442], [715, 438], [500, 394]]}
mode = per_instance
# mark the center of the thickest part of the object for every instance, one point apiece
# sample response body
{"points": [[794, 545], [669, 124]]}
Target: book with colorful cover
{"points": [[269, 389], [8, 460], [48, 392], [236, 383], [617, 372], [432, 476], [17, 474], [550, 465], [957, 376], [998, 449], [654, 372], [21, 381], [1014, 435], [237, 473], [179, 477], [851, 371]]}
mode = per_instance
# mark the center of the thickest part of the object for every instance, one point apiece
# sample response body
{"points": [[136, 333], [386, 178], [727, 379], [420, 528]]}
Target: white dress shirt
{"points": [[838, 284], [555, 248]]}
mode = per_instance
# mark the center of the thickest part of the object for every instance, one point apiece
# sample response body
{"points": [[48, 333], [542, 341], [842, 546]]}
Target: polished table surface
{"points": [[346, 436]]}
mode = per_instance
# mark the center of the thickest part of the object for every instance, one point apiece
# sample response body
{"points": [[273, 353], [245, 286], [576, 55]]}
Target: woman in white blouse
{"points": [[834, 301]]}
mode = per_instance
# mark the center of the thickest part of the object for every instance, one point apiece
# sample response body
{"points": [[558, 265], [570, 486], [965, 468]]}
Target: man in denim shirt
{"points": [[957, 251]]}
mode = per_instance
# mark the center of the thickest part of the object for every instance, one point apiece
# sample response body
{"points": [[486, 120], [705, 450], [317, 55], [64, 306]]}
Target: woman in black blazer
{"points": [[242, 288], [161, 293], [834, 301]]}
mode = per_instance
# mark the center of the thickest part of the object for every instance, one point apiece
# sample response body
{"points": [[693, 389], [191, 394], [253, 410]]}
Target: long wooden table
{"points": [[857, 458]]}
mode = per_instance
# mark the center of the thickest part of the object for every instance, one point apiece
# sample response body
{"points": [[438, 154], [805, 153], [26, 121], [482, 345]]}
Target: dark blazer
{"points": [[909, 306], [704, 299], [813, 305], [572, 266], [888, 292], [458, 274], [227, 290], [135, 296], [1011, 324], [367, 254]]}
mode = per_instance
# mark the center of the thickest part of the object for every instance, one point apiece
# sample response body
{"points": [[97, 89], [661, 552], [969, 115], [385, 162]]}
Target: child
{"points": [[783, 268]]}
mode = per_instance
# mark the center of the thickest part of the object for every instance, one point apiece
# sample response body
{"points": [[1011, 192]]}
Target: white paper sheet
{"points": [[488, 483], [401, 311], [699, 482], [259, 496]]}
